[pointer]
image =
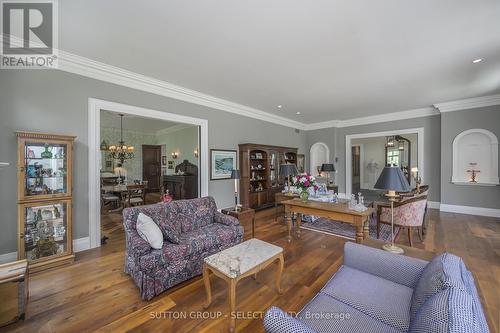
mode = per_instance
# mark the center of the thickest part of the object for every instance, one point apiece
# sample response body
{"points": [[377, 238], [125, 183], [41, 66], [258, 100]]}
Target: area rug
{"points": [[347, 230]]}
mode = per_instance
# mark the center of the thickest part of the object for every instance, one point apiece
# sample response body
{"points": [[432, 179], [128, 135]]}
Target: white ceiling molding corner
{"points": [[75, 64], [468, 103]]}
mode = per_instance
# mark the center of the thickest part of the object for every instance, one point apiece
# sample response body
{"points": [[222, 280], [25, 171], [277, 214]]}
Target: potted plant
{"points": [[303, 182]]}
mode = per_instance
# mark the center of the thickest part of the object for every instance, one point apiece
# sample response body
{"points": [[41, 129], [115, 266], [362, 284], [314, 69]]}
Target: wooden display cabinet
{"points": [[260, 178], [45, 199]]}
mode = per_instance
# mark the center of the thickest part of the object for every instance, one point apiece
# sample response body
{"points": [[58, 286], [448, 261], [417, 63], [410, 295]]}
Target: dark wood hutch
{"points": [[259, 167]]}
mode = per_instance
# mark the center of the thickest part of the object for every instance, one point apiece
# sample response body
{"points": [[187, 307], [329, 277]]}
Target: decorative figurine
{"points": [[473, 172], [47, 153]]}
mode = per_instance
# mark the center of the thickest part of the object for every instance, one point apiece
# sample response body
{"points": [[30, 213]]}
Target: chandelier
{"points": [[121, 151]]}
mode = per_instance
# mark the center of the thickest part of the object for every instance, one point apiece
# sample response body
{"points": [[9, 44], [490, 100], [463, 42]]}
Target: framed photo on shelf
{"points": [[222, 162], [301, 159]]}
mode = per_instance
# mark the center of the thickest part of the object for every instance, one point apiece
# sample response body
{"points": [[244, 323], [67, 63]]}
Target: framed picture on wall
{"points": [[170, 165], [222, 162], [164, 160], [301, 162]]}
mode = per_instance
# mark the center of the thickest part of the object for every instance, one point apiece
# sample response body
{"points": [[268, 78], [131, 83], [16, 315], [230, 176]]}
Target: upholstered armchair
{"points": [[408, 214]]}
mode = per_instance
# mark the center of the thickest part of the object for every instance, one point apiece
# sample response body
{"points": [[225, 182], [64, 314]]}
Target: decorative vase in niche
{"points": [[304, 196], [46, 153]]}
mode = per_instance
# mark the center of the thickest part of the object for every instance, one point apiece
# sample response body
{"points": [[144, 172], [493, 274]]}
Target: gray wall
{"points": [[452, 124], [432, 146], [57, 102]]}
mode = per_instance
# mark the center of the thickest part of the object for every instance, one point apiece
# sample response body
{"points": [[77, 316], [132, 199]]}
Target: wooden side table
{"points": [[243, 215], [13, 291]]}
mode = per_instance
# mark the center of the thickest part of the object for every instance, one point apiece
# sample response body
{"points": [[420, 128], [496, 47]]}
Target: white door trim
{"points": [[348, 153], [94, 108]]}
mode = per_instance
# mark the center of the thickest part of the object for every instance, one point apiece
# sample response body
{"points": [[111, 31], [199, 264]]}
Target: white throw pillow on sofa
{"points": [[149, 231]]}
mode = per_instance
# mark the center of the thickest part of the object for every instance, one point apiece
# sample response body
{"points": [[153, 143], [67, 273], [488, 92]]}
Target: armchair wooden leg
{"points": [[409, 236], [420, 233]]}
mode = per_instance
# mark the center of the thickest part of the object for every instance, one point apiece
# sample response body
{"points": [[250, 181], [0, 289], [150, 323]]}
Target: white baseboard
{"points": [[470, 210], [434, 204], [80, 244], [8, 257]]}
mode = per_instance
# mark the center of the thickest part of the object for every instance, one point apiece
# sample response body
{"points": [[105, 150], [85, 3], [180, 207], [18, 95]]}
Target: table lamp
{"points": [[288, 170], [235, 174], [392, 179], [327, 167]]}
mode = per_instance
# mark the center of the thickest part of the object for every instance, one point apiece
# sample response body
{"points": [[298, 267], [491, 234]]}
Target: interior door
{"points": [[151, 166]]}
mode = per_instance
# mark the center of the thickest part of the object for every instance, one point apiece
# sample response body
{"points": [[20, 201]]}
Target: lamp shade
{"points": [[235, 174], [327, 167], [392, 179], [288, 170]]}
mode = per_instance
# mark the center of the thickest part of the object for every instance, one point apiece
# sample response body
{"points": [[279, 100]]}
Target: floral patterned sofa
{"points": [[192, 230]]}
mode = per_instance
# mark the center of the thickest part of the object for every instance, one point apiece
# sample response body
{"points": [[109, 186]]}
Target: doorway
{"points": [[151, 167], [356, 168], [96, 109]]}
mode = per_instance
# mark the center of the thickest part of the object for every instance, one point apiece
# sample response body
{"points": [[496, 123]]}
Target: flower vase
{"points": [[304, 196]]}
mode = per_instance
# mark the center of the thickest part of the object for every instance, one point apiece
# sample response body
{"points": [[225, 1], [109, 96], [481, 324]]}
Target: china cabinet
{"points": [[45, 199], [260, 179]]}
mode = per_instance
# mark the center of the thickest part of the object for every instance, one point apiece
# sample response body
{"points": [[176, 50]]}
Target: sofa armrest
{"points": [[278, 321], [225, 219], [136, 246], [390, 266]]}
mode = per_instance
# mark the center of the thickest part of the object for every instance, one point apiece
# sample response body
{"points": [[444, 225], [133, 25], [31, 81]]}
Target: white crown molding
{"points": [[75, 64], [322, 124], [79, 65], [381, 118], [469, 103], [480, 211]]}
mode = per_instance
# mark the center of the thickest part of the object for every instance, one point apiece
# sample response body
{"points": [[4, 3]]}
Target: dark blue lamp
{"points": [[393, 180]]}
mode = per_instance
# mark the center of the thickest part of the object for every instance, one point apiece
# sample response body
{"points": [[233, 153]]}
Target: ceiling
{"points": [[327, 59], [135, 123]]}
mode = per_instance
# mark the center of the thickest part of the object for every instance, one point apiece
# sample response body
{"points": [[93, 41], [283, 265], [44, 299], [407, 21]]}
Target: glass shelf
{"points": [[45, 230], [45, 169]]}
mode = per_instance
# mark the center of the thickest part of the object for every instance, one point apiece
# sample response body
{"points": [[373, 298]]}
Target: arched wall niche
{"points": [[319, 154], [475, 149]]}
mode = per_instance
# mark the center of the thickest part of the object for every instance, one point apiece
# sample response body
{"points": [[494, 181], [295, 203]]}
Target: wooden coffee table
{"points": [[238, 262], [334, 211]]}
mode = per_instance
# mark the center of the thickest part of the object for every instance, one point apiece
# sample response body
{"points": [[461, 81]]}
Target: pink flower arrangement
{"points": [[304, 181]]}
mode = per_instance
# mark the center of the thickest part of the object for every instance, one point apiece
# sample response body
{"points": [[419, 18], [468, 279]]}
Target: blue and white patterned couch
{"points": [[377, 291], [192, 230]]}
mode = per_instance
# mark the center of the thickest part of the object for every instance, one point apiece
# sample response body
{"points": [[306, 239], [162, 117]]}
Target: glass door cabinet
{"points": [[45, 199]]}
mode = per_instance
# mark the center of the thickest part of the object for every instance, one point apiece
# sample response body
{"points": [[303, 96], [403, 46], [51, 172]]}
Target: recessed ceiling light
{"points": [[298, 112], [280, 106], [476, 61]]}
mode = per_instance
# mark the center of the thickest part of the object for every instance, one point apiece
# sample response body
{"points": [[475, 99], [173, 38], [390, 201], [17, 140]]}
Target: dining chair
{"points": [[135, 195], [408, 214], [108, 197]]}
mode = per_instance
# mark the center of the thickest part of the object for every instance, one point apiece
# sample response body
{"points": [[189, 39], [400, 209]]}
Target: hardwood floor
{"points": [[94, 294]]}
